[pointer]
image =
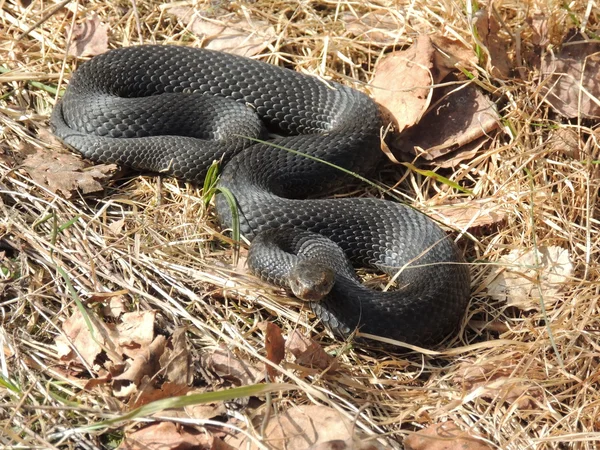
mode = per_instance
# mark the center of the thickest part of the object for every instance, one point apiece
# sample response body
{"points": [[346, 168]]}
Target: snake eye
{"points": [[311, 281]]}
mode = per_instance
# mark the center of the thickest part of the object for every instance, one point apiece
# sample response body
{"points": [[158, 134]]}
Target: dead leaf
{"points": [[135, 332], [81, 340], [228, 366], [380, 26], [301, 427], [66, 173], [175, 362], [465, 152], [571, 80], [240, 36], [444, 436], [469, 214], [206, 410], [455, 119], [309, 353], [450, 54], [492, 382], [275, 346], [89, 38], [116, 226], [538, 21], [402, 83], [566, 141], [168, 436], [147, 392], [145, 363], [493, 43], [127, 354], [523, 277], [116, 305], [348, 444]]}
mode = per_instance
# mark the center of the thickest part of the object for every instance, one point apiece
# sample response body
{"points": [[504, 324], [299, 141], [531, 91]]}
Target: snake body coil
{"points": [[175, 110]]}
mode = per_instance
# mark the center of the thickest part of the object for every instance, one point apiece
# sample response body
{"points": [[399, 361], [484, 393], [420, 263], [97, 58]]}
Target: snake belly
{"points": [[175, 110]]}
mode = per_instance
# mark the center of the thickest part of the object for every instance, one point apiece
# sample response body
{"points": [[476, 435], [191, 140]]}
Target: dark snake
{"points": [[175, 110]]}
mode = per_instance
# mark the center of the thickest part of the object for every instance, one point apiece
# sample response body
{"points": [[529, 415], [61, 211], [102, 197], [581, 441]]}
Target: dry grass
{"points": [[169, 255]]}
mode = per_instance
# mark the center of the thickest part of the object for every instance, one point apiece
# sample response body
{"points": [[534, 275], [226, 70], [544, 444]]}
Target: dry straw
{"points": [[155, 239]]}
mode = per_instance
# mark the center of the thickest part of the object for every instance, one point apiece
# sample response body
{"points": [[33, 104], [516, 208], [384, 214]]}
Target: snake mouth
{"points": [[310, 280]]}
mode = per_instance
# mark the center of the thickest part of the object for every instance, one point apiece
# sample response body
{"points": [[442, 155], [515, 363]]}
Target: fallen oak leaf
{"points": [[487, 34], [145, 363], [225, 364], [241, 36], [89, 38], [302, 427], [175, 362], [469, 214], [275, 346], [524, 278], [66, 173], [444, 436], [147, 393], [380, 26], [309, 353], [490, 381], [167, 435], [135, 332], [458, 117], [402, 84], [86, 337], [571, 80]]}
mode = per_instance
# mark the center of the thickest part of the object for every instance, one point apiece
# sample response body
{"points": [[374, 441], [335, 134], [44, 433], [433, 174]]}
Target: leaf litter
{"points": [[66, 173], [571, 79], [175, 258], [431, 121]]}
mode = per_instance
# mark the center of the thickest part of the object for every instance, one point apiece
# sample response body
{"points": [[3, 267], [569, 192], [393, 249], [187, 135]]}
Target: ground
{"points": [[119, 288]]}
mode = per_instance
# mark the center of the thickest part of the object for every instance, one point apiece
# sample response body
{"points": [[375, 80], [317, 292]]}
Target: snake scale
{"points": [[175, 110]]}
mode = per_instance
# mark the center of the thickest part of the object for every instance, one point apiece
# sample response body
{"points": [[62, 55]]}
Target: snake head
{"points": [[310, 280]]}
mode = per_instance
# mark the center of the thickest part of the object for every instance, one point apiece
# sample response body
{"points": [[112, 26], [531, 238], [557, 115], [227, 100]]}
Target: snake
{"points": [[286, 142]]}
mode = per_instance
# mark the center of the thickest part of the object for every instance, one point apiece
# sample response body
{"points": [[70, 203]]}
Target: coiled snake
{"points": [[175, 110]]}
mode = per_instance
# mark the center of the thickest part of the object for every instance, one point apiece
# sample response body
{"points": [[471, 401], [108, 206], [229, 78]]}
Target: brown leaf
{"points": [[348, 444], [524, 277], [449, 54], [402, 83], [116, 304], [538, 21], [135, 332], [240, 36], [465, 152], [566, 141], [444, 436], [66, 173], [301, 427], [148, 393], [493, 43], [228, 366], [492, 382], [145, 363], [571, 80], [456, 119], [469, 214], [206, 410], [309, 353], [84, 341], [275, 346], [381, 26], [168, 436], [89, 38], [175, 362]]}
